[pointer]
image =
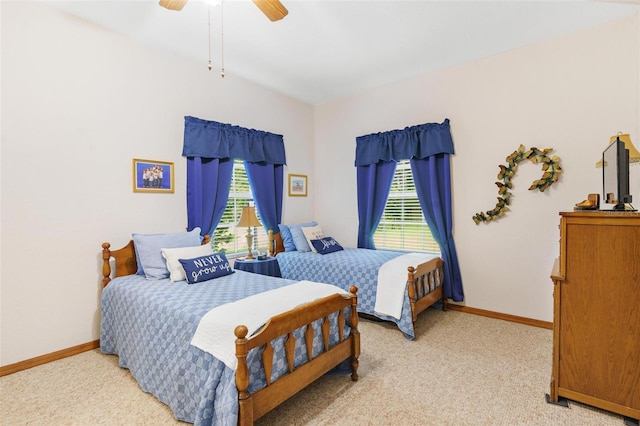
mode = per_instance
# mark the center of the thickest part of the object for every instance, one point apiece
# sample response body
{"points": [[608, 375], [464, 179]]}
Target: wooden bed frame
{"points": [[253, 406], [421, 290]]}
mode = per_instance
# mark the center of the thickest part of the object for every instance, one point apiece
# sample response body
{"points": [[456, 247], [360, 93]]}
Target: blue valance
{"points": [[210, 139], [415, 142]]}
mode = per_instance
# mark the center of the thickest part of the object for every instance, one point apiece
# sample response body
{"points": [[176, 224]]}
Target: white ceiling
{"points": [[325, 50]]}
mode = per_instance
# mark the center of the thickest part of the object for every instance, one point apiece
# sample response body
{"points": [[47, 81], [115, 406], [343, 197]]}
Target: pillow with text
{"points": [[206, 268], [326, 245]]}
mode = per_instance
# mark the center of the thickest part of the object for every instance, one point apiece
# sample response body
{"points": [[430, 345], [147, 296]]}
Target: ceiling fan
{"points": [[273, 9]]}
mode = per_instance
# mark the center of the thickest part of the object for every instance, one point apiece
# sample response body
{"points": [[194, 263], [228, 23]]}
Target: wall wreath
{"points": [[551, 171]]}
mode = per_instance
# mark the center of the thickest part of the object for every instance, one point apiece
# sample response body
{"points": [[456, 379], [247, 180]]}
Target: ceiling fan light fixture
{"points": [[273, 9], [173, 4]]}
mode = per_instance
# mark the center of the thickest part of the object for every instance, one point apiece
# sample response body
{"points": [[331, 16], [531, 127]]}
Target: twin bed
{"points": [[417, 277], [150, 324]]}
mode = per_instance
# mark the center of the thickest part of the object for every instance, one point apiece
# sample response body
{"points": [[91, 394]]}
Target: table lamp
{"points": [[634, 155], [249, 219]]}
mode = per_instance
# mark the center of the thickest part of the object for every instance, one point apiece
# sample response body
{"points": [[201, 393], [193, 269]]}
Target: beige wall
{"points": [[570, 94], [79, 102]]}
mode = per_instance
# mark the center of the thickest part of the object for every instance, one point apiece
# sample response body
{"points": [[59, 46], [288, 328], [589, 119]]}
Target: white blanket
{"points": [[215, 332], [392, 282]]}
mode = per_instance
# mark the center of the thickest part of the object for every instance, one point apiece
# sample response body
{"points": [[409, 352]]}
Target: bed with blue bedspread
{"points": [[418, 280], [150, 325]]}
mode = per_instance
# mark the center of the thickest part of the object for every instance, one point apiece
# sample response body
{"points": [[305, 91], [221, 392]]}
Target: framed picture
{"points": [[152, 176], [297, 185]]}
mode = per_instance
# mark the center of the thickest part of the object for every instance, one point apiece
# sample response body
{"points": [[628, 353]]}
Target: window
{"points": [[228, 236], [402, 226]]}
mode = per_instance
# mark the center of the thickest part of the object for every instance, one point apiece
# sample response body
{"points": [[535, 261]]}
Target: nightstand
{"points": [[268, 266]]}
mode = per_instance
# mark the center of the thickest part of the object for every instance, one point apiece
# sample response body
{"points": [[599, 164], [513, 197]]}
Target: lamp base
{"points": [[249, 244]]}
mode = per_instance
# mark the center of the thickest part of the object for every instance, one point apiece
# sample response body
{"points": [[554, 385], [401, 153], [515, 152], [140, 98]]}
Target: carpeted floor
{"points": [[462, 369]]}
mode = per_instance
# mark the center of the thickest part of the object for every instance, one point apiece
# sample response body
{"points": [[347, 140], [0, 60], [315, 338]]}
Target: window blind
{"points": [[227, 235], [402, 226]]}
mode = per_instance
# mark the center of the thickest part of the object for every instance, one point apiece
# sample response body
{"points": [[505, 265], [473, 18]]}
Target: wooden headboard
{"points": [[275, 243], [125, 260]]}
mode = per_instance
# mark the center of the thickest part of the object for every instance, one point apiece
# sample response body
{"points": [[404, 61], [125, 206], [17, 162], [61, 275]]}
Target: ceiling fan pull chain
{"points": [[209, 36], [221, 40]]}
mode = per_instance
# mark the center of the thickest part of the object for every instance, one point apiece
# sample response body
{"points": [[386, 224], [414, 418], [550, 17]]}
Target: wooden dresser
{"points": [[596, 318]]}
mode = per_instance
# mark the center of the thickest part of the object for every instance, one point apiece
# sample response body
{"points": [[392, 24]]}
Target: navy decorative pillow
{"points": [[205, 268], [326, 245]]}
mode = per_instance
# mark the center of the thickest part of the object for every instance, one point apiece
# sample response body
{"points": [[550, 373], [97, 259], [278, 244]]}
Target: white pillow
{"points": [[312, 233], [172, 256]]}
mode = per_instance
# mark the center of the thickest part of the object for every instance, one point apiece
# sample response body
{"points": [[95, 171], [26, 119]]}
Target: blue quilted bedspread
{"points": [[345, 268], [149, 325]]}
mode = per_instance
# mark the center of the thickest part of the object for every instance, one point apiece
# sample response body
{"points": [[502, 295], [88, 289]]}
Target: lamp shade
{"points": [[634, 155], [248, 217]]}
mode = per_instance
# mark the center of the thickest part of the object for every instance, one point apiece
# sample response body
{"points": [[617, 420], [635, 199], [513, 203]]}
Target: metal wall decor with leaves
{"points": [[550, 167]]}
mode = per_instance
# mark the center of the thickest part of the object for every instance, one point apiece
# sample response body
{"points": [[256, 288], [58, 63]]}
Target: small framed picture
{"points": [[297, 185], [152, 176]]}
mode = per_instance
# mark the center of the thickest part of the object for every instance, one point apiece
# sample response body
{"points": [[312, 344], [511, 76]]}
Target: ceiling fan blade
{"points": [[272, 8], [173, 4]]}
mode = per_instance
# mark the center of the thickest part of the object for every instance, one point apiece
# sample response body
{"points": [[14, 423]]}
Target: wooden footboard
{"points": [[425, 286], [425, 280], [253, 406]]}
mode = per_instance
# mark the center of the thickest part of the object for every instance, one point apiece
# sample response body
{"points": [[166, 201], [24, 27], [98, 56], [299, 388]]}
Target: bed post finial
{"points": [[106, 266], [245, 403]]}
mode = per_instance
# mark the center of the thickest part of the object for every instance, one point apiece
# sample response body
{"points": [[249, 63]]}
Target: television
{"points": [[615, 175]]}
